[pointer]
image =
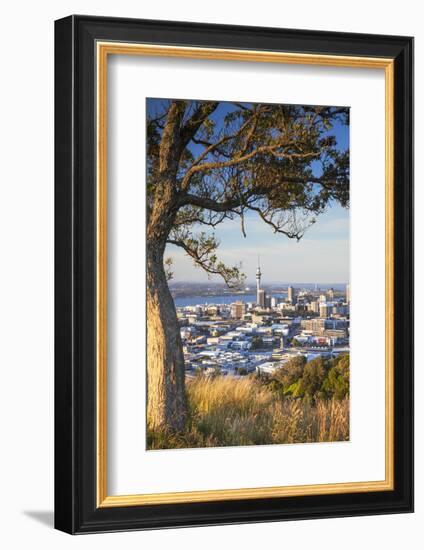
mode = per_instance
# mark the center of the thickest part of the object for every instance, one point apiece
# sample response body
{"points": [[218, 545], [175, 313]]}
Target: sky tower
{"points": [[258, 281]]}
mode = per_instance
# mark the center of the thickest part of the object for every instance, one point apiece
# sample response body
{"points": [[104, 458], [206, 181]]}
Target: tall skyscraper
{"points": [[324, 310], [290, 294], [267, 301], [261, 298], [348, 293]]}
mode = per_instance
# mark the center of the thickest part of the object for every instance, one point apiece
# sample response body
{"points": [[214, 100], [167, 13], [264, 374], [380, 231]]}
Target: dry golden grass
{"points": [[228, 412]]}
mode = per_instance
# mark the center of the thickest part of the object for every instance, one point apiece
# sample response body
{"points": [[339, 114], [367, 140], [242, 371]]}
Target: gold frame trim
{"points": [[119, 48]]}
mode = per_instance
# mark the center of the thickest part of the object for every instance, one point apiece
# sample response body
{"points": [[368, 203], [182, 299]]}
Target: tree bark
{"points": [[166, 403]]}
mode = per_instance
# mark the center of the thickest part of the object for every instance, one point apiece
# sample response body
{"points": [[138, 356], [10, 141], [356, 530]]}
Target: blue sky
{"points": [[321, 256]]}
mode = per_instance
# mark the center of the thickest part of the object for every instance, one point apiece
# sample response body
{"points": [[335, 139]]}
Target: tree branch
{"points": [[242, 199], [224, 139], [280, 226], [202, 251], [203, 111], [239, 159]]}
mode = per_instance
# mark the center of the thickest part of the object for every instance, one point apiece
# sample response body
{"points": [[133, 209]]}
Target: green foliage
{"points": [[202, 250], [320, 378], [313, 377], [291, 372], [241, 371], [336, 383], [298, 344], [168, 263]]}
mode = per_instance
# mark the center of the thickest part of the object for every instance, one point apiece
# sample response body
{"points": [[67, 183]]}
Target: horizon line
{"points": [[264, 284]]}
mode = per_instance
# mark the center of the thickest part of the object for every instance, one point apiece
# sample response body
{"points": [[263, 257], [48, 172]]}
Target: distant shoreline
{"points": [[186, 296], [219, 299]]}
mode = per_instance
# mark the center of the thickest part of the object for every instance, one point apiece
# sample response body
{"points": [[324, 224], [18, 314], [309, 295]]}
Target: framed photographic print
{"points": [[233, 274]]}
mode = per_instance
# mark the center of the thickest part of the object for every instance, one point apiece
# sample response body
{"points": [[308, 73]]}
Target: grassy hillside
{"points": [[253, 411]]}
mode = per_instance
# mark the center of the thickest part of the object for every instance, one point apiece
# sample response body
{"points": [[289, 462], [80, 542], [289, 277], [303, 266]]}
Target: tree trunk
{"points": [[166, 403]]}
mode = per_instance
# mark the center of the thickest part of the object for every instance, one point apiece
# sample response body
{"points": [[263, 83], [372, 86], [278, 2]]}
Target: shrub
{"points": [[336, 383], [313, 377], [290, 372], [241, 371]]}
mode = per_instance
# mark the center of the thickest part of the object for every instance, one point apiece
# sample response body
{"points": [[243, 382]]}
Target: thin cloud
{"points": [[321, 256]]}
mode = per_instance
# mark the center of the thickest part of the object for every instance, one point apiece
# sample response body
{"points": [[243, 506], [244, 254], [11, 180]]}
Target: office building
{"points": [[261, 298], [290, 294], [237, 310]]}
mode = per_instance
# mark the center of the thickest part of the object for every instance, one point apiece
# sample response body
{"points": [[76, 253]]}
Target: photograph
{"points": [[233, 225], [247, 273]]}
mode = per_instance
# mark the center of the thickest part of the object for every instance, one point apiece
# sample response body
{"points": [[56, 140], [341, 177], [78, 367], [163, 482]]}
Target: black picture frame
{"points": [[76, 510]]}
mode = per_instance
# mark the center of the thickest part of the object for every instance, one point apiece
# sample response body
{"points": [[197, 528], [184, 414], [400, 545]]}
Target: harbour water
{"points": [[184, 301], [194, 299]]}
